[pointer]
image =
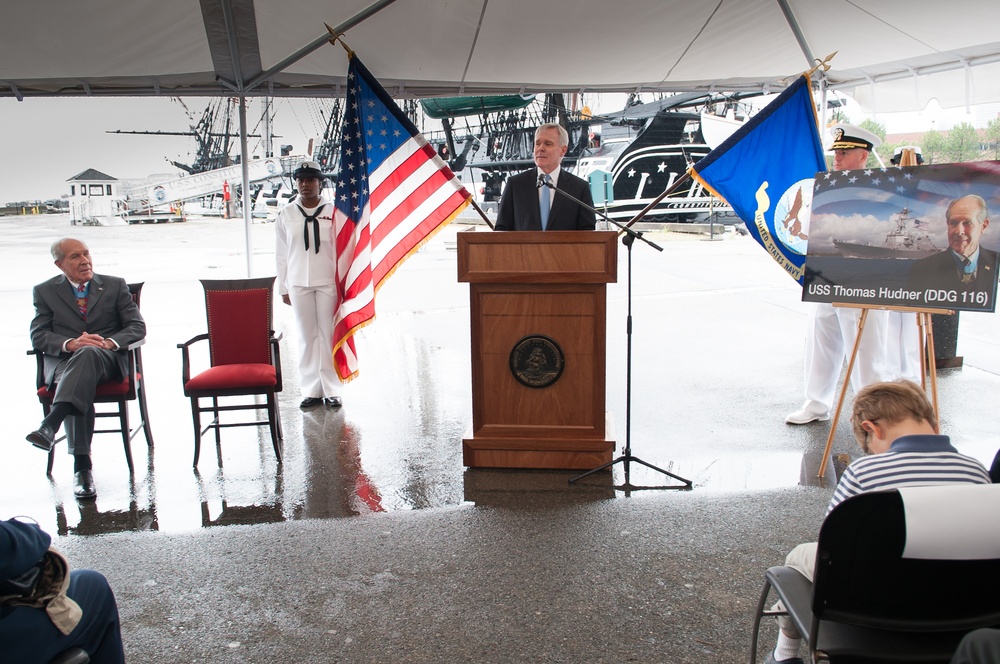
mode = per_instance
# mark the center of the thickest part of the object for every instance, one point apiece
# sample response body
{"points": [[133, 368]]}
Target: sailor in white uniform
{"points": [[832, 330], [306, 264]]}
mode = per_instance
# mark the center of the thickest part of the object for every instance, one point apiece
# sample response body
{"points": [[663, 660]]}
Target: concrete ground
{"points": [[372, 543]]}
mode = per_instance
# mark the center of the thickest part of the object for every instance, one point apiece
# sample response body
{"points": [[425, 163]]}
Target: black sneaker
{"points": [[310, 402], [332, 402]]}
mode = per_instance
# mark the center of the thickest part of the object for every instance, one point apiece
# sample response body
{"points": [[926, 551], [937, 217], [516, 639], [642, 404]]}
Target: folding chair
{"points": [[900, 576]]}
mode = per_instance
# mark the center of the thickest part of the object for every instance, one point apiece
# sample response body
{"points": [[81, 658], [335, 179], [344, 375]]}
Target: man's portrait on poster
{"points": [[911, 236]]}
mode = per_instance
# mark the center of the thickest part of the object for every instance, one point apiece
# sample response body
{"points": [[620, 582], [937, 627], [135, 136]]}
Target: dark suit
{"points": [[519, 210], [941, 271], [112, 314]]}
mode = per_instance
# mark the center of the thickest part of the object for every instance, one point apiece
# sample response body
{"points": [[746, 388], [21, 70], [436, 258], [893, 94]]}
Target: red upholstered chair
{"points": [[119, 392], [244, 357]]}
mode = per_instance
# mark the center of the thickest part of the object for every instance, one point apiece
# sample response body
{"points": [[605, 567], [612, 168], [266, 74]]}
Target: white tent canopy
{"points": [[891, 54]]}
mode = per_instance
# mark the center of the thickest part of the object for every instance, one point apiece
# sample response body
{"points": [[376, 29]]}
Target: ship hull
{"points": [[855, 250]]}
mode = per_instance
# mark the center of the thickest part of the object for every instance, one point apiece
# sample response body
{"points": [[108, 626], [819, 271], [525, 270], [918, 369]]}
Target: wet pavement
{"points": [[372, 543]]}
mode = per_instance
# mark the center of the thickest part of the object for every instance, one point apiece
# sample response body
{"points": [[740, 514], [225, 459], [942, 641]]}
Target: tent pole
{"points": [[824, 111], [319, 42], [247, 198]]}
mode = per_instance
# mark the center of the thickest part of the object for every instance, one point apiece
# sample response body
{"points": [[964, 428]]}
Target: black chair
{"points": [[243, 354], [119, 392], [872, 600]]}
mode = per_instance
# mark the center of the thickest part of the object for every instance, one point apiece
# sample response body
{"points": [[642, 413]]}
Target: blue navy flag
{"points": [[765, 172]]}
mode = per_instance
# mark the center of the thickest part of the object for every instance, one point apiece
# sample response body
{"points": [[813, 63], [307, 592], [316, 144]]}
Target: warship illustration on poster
{"points": [[906, 240]]}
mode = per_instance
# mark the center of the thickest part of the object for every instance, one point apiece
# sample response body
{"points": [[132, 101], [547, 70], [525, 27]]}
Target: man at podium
{"points": [[530, 201]]}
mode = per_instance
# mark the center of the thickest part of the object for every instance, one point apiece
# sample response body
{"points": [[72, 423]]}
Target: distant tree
{"points": [[932, 145], [879, 130], [993, 136], [963, 143], [876, 128]]}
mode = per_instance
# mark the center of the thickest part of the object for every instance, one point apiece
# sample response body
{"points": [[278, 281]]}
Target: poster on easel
{"points": [[904, 236]]}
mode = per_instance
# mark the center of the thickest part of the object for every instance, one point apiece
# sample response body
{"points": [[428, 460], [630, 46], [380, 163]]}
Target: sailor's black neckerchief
{"points": [[312, 218]]}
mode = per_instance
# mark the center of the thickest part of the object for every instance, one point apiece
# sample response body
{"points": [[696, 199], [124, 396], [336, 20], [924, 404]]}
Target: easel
{"points": [[924, 329], [927, 361]]}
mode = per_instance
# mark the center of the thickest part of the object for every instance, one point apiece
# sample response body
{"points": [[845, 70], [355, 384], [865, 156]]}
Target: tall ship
{"points": [[904, 241], [644, 148]]}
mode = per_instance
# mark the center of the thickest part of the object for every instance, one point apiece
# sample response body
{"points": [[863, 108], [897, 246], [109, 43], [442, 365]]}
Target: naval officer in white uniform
{"points": [[832, 330], [307, 280]]}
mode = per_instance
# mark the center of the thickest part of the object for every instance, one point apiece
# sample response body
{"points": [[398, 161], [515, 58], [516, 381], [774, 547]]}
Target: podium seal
{"points": [[536, 361]]}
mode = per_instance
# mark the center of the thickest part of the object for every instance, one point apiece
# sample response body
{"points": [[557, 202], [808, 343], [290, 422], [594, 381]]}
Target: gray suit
{"points": [[112, 314]]}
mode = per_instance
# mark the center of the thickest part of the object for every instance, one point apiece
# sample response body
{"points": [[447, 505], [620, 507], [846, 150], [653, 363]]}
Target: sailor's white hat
{"points": [[308, 169], [897, 156]]}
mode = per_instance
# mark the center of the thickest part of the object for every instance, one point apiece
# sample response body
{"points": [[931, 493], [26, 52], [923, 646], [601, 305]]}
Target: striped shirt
{"points": [[918, 460]]}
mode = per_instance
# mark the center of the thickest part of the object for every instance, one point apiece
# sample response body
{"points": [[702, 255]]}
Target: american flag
{"points": [[393, 194]]}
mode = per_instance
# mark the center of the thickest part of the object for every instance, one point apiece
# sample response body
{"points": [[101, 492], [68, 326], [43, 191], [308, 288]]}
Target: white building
{"points": [[95, 199]]}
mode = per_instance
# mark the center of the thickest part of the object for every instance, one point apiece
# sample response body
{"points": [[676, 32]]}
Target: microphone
{"points": [[541, 182]]}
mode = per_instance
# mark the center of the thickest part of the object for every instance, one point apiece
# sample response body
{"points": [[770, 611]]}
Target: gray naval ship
{"points": [[904, 241]]}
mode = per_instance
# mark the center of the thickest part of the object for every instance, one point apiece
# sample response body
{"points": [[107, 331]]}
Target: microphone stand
{"points": [[627, 458]]}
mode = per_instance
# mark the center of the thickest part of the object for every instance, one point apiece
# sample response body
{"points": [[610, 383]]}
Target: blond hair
{"points": [[893, 402]]}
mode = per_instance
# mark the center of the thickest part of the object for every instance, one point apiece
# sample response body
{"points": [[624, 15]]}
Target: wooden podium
{"points": [[538, 304]]}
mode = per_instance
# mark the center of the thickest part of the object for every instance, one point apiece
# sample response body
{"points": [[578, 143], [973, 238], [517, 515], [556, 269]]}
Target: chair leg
{"points": [[126, 434], [218, 429], [196, 418], [46, 408], [274, 424], [277, 418], [755, 636], [144, 413], [123, 420]]}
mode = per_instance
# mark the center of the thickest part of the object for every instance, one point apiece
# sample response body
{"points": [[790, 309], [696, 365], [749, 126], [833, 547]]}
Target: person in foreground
{"points": [[307, 280], [980, 646], [832, 330], [530, 202], [83, 325], [895, 426], [45, 608]]}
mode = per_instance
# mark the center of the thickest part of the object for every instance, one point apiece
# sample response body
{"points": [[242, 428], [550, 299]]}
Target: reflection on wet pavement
{"points": [[707, 399]]}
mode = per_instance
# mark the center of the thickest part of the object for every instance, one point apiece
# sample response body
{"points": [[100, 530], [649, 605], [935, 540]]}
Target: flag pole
{"points": [[656, 201], [335, 38], [480, 211]]}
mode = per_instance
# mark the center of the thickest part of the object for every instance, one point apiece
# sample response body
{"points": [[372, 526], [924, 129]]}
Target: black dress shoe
{"points": [[43, 438], [310, 402], [83, 484], [332, 402]]}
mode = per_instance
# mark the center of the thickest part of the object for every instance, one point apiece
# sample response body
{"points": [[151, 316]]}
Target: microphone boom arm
{"points": [[632, 235]]}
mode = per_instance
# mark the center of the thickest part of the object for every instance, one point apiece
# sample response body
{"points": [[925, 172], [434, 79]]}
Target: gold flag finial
{"points": [[334, 38], [823, 64]]}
